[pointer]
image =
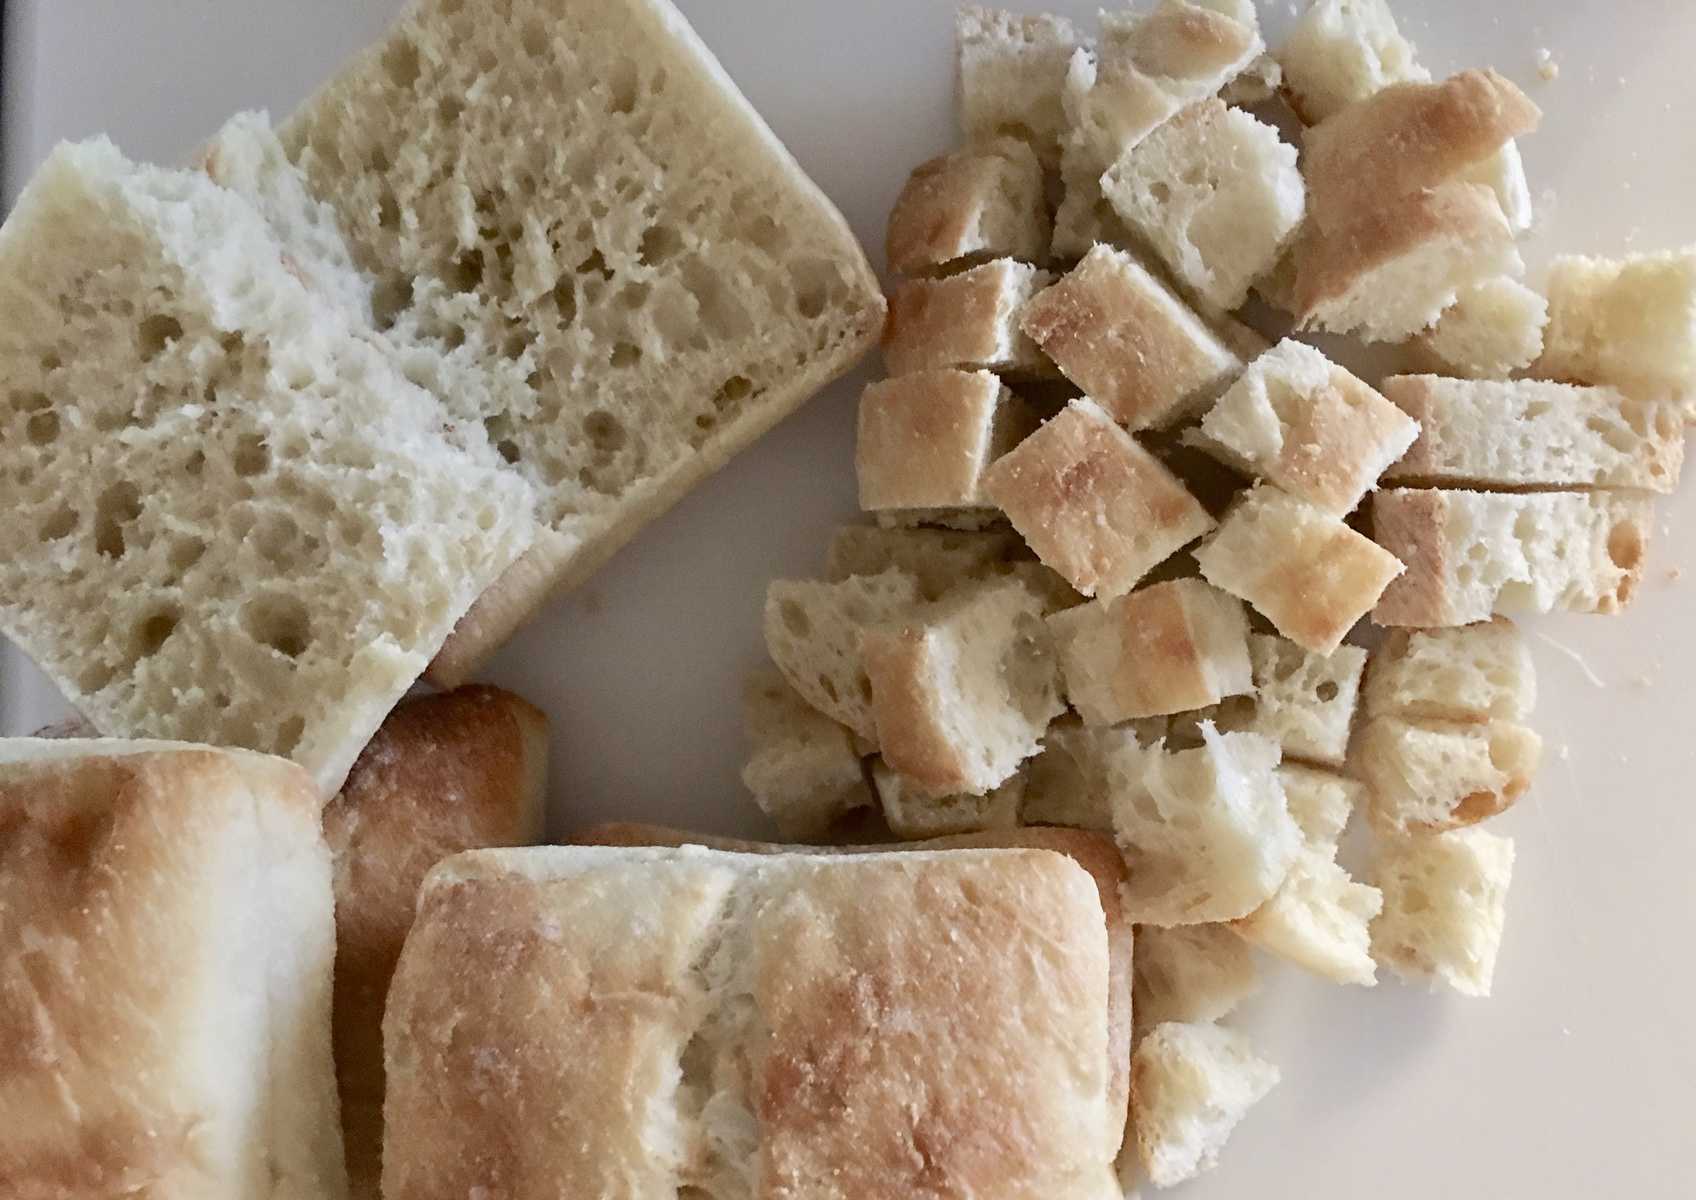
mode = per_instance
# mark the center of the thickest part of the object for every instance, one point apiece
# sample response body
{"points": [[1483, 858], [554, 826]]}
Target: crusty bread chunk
{"points": [[1124, 338], [1494, 329], [1428, 776], [1216, 194], [980, 203], [1630, 321], [913, 813], [167, 937], [1470, 555], [1190, 973], [1164, 649], [1300, 567], [813, 631], [1094, 505], [229, 517], [937, 559], [1012, 68], [963, 689], [1191, 1084], [1342, 51], [803, 768], [1445, 900], [1299, 421], [1473, 673], [1071, 781], [1206, 832], [1303, 701], [1530, 433], [969, 320], [926, 439]]}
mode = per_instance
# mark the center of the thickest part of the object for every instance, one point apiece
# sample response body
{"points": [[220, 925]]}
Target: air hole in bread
{"points": [[31, 402], [61, 522], [623, 82], [767, 234], [389, 299], [565, 300], [604, 431], [731, 394], [278, 621], [659, 244], [1160, 191], [634, 295], [815, 280], [594, 264], [252, 456], [388, 211], [185, 552], [195, 463], [626, 354], [274, 535], [95, 676], [155, 333], [465, 273], [454, 337], [1326, 691], [118, 505], [1625, 549], [401, 64], [795, 618], [43, 429], [828, 686], [152, 633], [289, 734], [50, 361]]}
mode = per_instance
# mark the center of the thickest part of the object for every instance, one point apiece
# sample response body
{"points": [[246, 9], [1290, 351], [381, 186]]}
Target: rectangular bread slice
{"points": [[1630, 321], [803, 769], [1445, 902], [925, 440], [1474, 673], [585, 238], [1494, 329], [969, 320]]}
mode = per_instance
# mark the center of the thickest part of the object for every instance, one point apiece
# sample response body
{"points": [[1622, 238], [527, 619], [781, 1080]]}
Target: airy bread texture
{"points": [[741, 1045], [913, 813], [1431, 776], [803, 768], [937, 559], [457, 771], [1504, 174], [969, 320], [1474, 673], [1191, 1084], [168, 935], [1470, 555], [1303, 701], [1629, 321], [1216, 194], [582, 237], [980, 203], [1191, 973], [1479, 433], [1342, 51], [237, 523], [1012, 69], [926, 439], [1445, 901], [1492, 330]]}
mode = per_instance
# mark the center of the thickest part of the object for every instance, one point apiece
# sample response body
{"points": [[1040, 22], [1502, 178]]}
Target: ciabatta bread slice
{"points": [[1191, 1084], [1445, 901]]}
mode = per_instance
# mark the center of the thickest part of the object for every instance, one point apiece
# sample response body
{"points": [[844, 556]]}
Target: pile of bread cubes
{"points": [[1137, 567]]}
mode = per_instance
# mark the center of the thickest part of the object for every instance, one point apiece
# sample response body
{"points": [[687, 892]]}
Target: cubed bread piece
{"points": [[1341, 51], [1190, 1086], [1190, 973], [913, 813], [1629, 321], [963, 690], [969, 320], [803, 768], [1504, 174], [979, 203], [1303, 701], [1494, 329], [925, 439], [1470, 555], [1012, 68], [1445, 901], [1307, 425], [1302, 569], [1392, 270], [938, 559], [1531, 433], [1163, 649], [1429, 776], [1092, 503], [1124, 338], [1216, 194], [1206, 832], [1070, 781], [813, 631], [1471, 673]]}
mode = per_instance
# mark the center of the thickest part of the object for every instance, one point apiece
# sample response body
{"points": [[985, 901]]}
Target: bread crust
{"points": [[982, 202], [925, 439], [969, 320]]}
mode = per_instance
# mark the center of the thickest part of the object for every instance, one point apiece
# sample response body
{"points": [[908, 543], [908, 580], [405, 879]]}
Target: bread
{"points": [[1012, 68], [1124, 338], [1301, 568], [813, 631], [746, 1036], [1303, 701], [983, 202], [1504, 174], [969, 320], [1307, 425], [1429, 776], [1216, 194], [1070, 782], [1342, 51], [1470, 555], [237, 523], [1206, 832], [167, 937], [1494, 329], [962, 690], [1094, 505], [1476, 433], [1163, 649], [449, 772], [913, 813], [1475, 673], [926, 439], [1190, 1086], [1630, 322], [1258, 84], [1445, 901], [1191, 973], [803, 769], [938, 559]]}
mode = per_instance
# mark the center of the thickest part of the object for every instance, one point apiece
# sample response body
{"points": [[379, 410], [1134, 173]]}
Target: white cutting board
{"points": [[1579, 1078]]}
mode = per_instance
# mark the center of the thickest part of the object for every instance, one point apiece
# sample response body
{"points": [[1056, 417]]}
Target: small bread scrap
{"points": [[1630, 322], [1190, 973], [979, 203], [1301, 568], [1303, 701], [1190, 1086], [1530, 433], [1430, 776], [937, 559], [1342, 51], [969, 320], [1012, 69], [913, 813], [1445, 901], [1494, 329], [1471, 555], [803, 768], [926, 439], [1473, 673], [1124, 338], [1164, 649]]}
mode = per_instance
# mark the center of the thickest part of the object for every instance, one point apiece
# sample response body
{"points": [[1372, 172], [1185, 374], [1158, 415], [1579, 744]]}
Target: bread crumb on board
{"points": [[1548, 70]]}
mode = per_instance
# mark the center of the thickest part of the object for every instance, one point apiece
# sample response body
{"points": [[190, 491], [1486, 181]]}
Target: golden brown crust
{"points": [[925, 438], [1409, 524], [982, 202], [969, 320], [898, 661]]}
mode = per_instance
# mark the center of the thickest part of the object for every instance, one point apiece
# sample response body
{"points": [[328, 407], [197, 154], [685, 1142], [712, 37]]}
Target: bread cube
{"points": [[1473, 673], [1630, 321], [1216, 194], [1494, 329], [1190, 973], [1303, 423], [1445, 901], [1532, 433], [1430, 776], [1470, 555], [1302, 569], [979, 203], [937, 559], [1206, 832], [969, 320], [1341, 51], [1164, 649], [925, 439], [1191, 1084], [1011, 70], [1303, 701], [803, 768], [912, 813], [1094, 505], [1124, 338], [1070, 781], [963, 690]]}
